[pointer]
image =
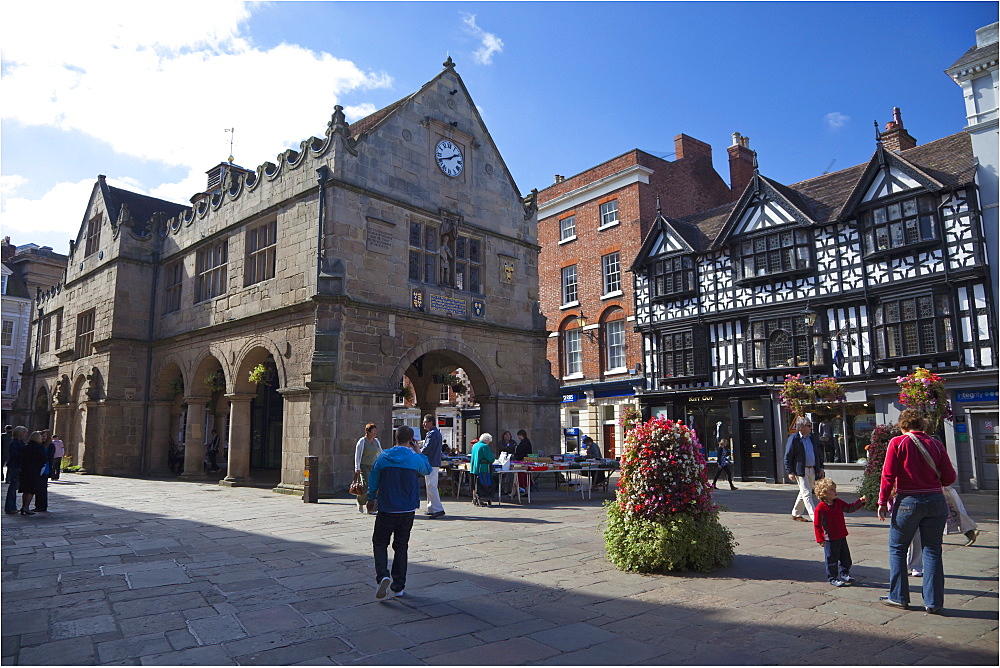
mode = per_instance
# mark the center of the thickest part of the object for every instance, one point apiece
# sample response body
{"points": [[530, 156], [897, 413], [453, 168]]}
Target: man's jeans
{"points": [[10, 501], [394, 526], [925, 514]]}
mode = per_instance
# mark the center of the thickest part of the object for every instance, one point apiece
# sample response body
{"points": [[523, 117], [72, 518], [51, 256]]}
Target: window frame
{"points": [[259, 255], [924, 216], [5, 377], [611, 278], [569, 288], [422, 256], [211, 280], [943, 321], [173, 292], [609, 214], [466, 264], [93, 239], [572, 356], [691, 354], [683, 280], [45, 334], [616, 320], [563, 228], [802, 242], [4, 334], [85, 324], [763, 336]]}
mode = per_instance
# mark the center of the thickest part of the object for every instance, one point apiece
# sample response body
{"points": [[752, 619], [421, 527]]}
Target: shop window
{"points": [[210, 271], [774, 255], [174, 283], [262, 243], [567, 228], [468, 263], [682, 354], [569, 294], [914, 326], [904, 225], [609, 213], [612, 272], [84, 333], [673, 277], [423, 252], [93, 235], [781, 343]]}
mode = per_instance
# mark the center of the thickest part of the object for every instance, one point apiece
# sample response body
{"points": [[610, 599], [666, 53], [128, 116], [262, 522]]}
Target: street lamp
{"points": [[581, 322], [809, 318]]}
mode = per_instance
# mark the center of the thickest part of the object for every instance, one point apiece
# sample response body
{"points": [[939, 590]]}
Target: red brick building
{"points": [[590, 228]]}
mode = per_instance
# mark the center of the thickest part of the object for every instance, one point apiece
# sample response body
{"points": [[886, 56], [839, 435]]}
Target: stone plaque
{"points": [[379, 236], [449, 305]]}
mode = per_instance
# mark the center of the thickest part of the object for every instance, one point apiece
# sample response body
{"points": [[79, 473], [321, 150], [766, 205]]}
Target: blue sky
{"points": [[143, 93]]}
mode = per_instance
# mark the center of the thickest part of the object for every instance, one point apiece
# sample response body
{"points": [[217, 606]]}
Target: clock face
{"points": [[449, 157]]}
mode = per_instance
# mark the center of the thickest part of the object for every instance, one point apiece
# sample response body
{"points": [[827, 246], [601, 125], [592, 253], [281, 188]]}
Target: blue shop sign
{"points": [[962, 428], [975, 395], [570, 398], [571, 431]]}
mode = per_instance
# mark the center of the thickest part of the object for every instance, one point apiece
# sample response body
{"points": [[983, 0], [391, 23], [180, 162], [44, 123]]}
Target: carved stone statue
{"points": [[448, 234], [94, 385]]}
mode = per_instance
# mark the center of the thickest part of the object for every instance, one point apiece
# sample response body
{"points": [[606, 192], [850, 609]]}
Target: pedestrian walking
{"points": [[804, 465], [366, 452], [432, 450], [917, 466], [724, 461], [57, 456], [831, 531], [395, 483], [481, 467]]}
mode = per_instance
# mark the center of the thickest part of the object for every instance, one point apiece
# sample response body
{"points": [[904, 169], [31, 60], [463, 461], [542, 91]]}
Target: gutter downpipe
{"points": [[144, 447]]}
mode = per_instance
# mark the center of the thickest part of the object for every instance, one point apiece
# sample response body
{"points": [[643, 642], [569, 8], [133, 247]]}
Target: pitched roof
{"points": [[141, 207], [363, 125], [948, 160], [974, 54], [16, 287]]}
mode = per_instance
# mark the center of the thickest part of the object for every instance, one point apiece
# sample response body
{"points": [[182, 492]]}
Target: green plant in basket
{"points": [[663, 518], [871, 478]]}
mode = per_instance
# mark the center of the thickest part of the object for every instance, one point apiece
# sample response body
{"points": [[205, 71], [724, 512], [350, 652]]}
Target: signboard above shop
{"points": [[968, 396]]}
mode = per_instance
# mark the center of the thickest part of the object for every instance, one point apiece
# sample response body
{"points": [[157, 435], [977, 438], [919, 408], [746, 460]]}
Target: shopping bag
{"points": [[358, 486]]}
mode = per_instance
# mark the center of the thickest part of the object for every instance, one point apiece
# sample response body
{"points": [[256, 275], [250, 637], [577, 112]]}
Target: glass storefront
{"points": [[843, 430]]}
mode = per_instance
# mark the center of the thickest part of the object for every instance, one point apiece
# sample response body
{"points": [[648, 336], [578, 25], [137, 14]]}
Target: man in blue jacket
{"points": [[395, 483], [804, 465]]}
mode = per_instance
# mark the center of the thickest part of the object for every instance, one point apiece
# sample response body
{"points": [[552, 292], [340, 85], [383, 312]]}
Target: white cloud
{"points": [[151, 82], [835, 120], [9, 183], [50, 221], [491, 43]]}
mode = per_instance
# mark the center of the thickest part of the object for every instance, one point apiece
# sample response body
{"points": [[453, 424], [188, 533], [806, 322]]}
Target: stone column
{"points": [[90, 442], [238, 468], [194, 438], [158, 440], [62, 414]]}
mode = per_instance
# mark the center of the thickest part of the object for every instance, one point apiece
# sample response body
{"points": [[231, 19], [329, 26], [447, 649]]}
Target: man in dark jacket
{"points": [[395, 483], [14, 469], [804, 465], [433, 444]]}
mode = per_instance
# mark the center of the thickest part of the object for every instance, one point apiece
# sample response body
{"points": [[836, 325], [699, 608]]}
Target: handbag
{"points": [[358, 486], [952, 525]]}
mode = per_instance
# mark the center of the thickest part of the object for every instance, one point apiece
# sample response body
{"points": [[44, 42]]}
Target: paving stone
{"points": [[87, 626], [573, 636], [195, 656], [77, 651], [157, 577], [217, 629], [513, 652], [392, 658], [296, 653], [271, 619]]}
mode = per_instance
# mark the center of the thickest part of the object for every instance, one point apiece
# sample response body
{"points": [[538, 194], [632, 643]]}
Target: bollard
{"points": [[310, 482]]}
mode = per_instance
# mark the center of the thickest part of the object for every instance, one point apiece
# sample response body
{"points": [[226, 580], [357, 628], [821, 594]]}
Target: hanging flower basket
{"points": [[405, 392], [457, 386], [263, 374], [796, 395], [924, 391], [828, 391], [176, 386], [216, 382]]}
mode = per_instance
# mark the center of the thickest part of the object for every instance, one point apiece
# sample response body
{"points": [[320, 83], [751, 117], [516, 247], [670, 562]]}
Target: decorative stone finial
{"points": [[449, 64]]}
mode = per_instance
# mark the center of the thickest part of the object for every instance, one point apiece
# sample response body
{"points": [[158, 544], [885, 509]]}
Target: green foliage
{"points": [[683, 542], [871, 479], [258, 375], [66, 465]]}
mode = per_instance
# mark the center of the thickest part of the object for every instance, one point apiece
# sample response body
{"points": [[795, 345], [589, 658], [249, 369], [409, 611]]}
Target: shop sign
{"points": [[570, 398], [705, 397], [571, 431], [961, 428], [976, 395]]}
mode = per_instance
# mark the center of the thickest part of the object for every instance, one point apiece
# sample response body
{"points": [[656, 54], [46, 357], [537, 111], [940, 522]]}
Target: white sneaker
{"points": [[916, 574], [399, 594], [383, 587]]}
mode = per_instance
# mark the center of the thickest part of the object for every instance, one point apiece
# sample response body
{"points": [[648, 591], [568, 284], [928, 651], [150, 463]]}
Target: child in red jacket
{"points": [[831, 531]]}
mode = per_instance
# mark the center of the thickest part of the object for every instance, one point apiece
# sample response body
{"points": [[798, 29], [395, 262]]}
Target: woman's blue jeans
{"points": [[926, 514]]}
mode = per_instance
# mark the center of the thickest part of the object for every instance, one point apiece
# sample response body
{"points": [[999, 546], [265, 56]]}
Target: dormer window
{"points": [[774, 255], [93, 235], [899, 226]]}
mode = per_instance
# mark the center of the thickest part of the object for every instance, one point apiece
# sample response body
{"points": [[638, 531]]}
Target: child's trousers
{"points": [[837, 553]]}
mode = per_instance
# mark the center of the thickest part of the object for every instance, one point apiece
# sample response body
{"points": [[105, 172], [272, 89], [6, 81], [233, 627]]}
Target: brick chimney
{"points": [[689, 147], [740, 164], [896, 138], [8, 249]]}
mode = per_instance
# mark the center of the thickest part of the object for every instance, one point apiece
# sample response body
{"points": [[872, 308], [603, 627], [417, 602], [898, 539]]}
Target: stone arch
{"points": [[255, 351], [167, 368], [453, 352], [167, 417], [207, 361]]}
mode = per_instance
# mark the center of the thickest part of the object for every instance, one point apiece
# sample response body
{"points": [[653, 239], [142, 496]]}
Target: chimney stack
{"points": [[691, 148], [558, 178], [740, 164], [896, 138], [9, 249]]}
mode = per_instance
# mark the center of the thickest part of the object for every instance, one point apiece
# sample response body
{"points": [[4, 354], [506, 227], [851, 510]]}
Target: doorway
{"points": [[753, 449], [986, 441], [266, 414]]}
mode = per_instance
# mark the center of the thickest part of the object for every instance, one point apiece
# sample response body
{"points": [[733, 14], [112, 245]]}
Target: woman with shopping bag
{"points": [[366, 452]]}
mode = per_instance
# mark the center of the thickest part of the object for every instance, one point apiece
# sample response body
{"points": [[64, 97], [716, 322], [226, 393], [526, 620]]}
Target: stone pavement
{"points": [[164, 572]]}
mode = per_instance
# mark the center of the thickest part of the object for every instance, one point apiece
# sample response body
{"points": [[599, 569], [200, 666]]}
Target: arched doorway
{"points": [[168, 423], [266, 421]]}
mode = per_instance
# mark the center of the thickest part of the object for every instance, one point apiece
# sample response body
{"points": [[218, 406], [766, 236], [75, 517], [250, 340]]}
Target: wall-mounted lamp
{"points": [[581, 322]]}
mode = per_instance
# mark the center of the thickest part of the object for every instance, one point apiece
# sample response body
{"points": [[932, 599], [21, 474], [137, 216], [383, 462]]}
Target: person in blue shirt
{"points": [[395, 483], [432, 449], [804, 465]]}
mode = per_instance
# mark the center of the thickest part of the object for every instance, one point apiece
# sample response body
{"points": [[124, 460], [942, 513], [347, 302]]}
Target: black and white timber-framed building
{"points": [[865, 274]]}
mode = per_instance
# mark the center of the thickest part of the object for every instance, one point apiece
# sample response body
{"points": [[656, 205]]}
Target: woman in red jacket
{"points": [[916, 466]]}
